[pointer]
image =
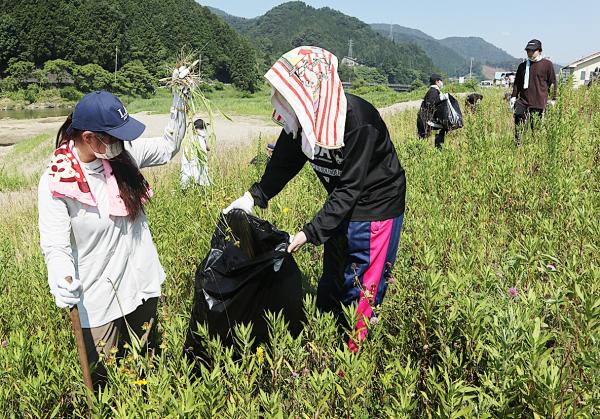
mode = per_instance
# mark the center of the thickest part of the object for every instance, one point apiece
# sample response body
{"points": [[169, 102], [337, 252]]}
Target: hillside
{"points": [[443, 57], [478, 48], [295, 23], [153, 31], [234, 21]]}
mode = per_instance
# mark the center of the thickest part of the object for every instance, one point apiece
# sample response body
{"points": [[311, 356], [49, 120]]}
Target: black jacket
{"points": [[425, 115], [364, 178]]}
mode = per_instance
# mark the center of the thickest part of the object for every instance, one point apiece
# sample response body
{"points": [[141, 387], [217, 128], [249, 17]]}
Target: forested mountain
{"points": [[443, 57], [234, 21], [295, 23], [152, 31], [478, 48]]}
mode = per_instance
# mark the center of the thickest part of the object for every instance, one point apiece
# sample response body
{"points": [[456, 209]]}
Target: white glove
{"points": [[512, 102], [552, 102], [245, 203], [444, 96], [67, 294], [180, 73], [297, 242]]}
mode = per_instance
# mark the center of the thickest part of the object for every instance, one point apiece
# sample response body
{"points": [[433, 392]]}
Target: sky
{"points": [[564, 28]]}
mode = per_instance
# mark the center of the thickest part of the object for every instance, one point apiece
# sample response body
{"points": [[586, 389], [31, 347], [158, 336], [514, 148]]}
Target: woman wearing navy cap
{"points": [[93, 230]]}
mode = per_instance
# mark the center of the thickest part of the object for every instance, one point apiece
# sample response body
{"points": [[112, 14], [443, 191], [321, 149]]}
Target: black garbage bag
{"points": [[247, 272], [423, 116], [448, 114]]}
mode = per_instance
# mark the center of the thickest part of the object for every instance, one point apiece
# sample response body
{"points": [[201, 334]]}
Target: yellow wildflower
{"points": [[260, 355], [286, 210], [140, 382]]}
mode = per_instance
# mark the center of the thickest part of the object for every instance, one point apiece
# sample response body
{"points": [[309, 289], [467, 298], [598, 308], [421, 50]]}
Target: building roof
{"points": [[584, 59], [501, 74]]}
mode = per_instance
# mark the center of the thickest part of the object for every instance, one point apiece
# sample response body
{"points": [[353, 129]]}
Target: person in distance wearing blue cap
{"points": [[93, 230]]}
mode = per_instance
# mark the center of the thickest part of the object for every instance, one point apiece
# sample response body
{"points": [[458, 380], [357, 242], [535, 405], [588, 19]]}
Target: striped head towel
{"points": [[308, 93]]}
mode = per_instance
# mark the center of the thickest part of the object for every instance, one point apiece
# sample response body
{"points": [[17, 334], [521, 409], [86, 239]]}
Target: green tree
{"points": [[135, 80], [369, 75], [62, 71], [150, 31], [417, 84], [92, 77], [8, 40], [21, 71], [31, 92]]}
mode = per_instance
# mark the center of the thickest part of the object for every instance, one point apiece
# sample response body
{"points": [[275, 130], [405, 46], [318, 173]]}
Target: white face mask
{"points": [[111, 150], [441, 84]]}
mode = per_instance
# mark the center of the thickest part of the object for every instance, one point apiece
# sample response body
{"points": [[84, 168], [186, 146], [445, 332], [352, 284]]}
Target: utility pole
{"points": [[471, 69], [350, 52], [116, 61]]}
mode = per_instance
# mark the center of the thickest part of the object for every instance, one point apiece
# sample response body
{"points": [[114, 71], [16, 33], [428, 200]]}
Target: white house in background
{"points": [[582, 69], [350, 62]]}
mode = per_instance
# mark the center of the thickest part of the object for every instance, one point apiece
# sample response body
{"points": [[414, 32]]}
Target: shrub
{"points": [[70, 93], [416, 84], [21, 71], [369, 75], [92, 77], [134, 79], [9, 84], [62, 70], [31, 93], [471, 84]]}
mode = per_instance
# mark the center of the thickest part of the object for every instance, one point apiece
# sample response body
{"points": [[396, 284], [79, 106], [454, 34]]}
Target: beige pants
{"points": [[102, 339]]}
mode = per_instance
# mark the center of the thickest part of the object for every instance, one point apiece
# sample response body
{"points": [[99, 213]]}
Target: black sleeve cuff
{"points": [[311, 235], [260, 199]]}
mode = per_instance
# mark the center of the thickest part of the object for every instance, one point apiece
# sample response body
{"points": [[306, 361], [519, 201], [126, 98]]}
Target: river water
{"points": [[34, 113]]}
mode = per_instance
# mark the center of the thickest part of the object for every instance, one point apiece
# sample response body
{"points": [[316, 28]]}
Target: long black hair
{"points": [[133, 188]]}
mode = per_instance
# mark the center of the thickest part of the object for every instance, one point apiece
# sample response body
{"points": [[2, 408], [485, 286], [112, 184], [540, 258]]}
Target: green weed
{"points": [[494, 311]]}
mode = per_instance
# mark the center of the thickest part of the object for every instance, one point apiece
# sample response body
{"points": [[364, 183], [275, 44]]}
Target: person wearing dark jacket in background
{"points": [[532, 84], [472, 101], [432, 99], [348, 146]]}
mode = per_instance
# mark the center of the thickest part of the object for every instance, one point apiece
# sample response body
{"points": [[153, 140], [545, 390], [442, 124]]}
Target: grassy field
{"points": [[232, 101], [228, 100], [20, 167], [494, 312]]}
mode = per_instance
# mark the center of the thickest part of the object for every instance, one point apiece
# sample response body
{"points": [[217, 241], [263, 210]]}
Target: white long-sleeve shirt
{"points": [[193, 170], [114, 258]]}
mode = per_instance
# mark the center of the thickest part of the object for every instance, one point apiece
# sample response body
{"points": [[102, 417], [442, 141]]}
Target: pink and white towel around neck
{"points": [[66, 178], [306, 83]]}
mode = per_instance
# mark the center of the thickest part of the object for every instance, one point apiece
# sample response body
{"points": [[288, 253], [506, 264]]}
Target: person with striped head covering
{"points": [[348, 145]]}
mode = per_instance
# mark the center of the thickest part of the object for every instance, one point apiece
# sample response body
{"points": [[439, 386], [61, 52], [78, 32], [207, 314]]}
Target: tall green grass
{"points": [[494, 311], [228, 100], [21, 167]]}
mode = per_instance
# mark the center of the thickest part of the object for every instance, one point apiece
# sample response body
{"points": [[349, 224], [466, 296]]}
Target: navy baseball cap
{"points": [[102, 111], [533, 45]]}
